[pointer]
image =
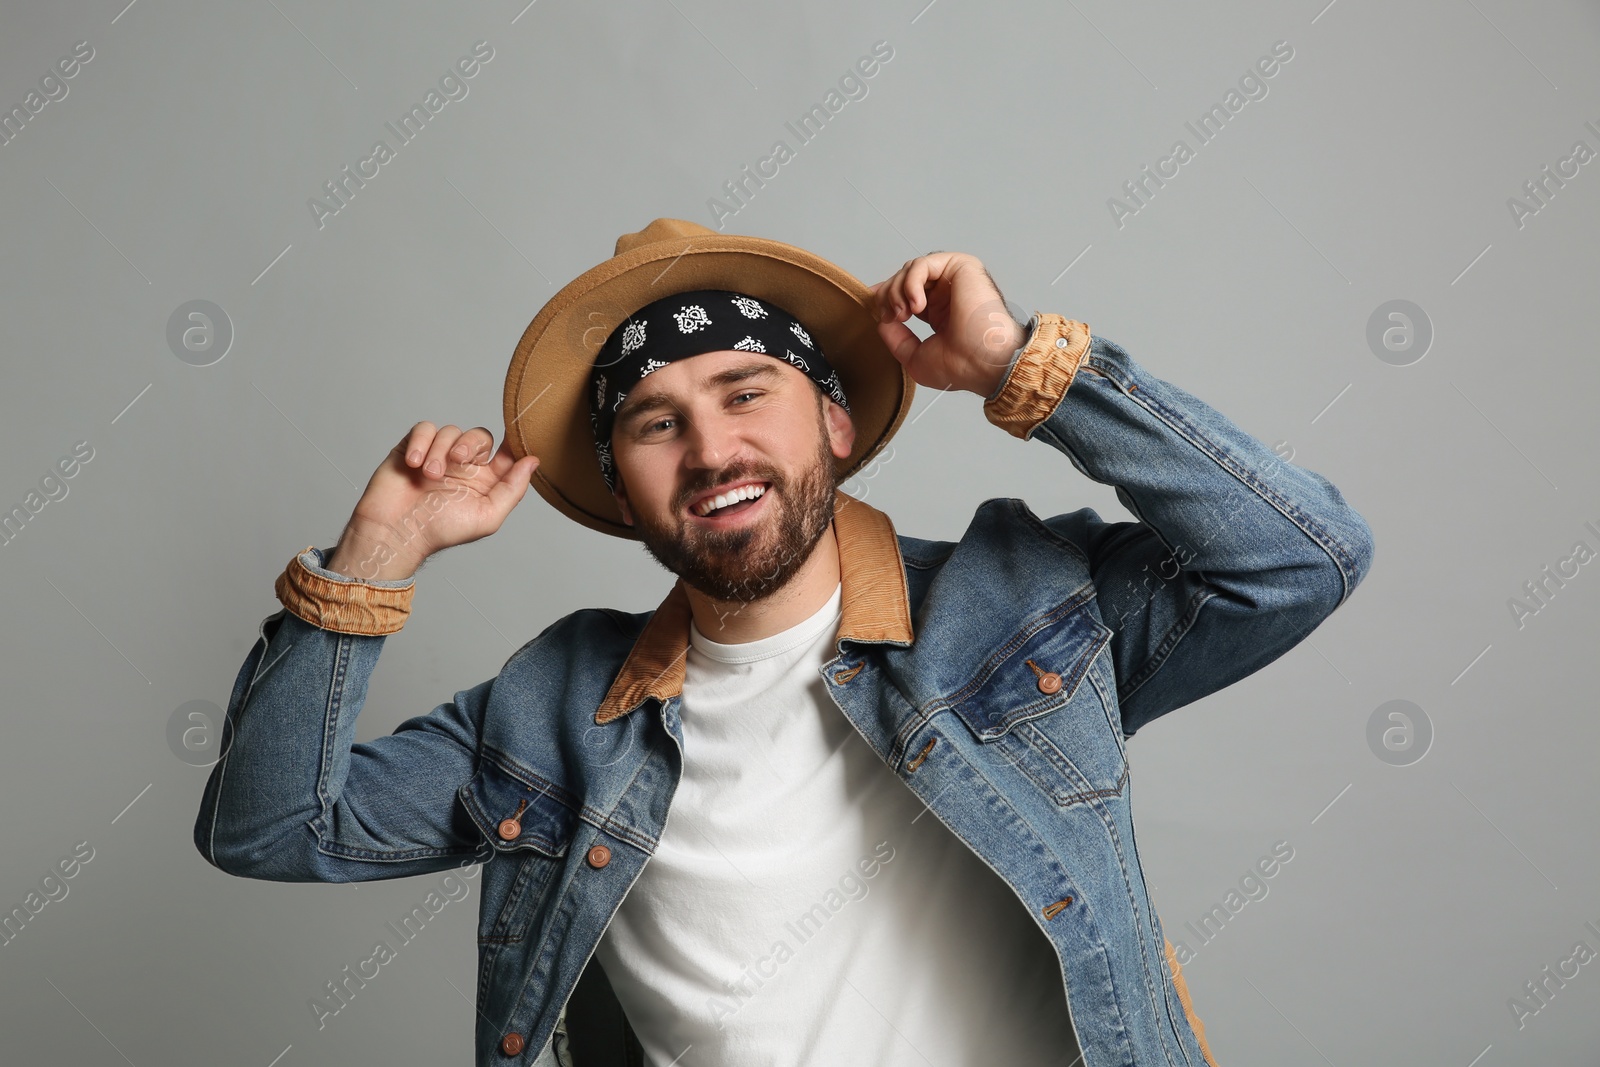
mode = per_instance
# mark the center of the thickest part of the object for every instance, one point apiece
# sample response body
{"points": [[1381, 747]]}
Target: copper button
{"points": [[599, 856], [512, 1043], [509, 828], [1049, 682]]}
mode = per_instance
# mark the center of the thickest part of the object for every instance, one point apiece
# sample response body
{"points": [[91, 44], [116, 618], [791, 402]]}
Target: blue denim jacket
{"points": [[998, 676]]}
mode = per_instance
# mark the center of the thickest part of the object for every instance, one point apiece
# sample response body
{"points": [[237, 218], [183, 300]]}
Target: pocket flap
{"points": [[495, 794], [1007, 689]]}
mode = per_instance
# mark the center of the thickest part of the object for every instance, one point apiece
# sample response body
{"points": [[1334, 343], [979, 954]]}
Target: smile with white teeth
{"points": [[732, 496]]}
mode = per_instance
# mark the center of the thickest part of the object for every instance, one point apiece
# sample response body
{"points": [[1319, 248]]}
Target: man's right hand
{"points": [[437, 488]]}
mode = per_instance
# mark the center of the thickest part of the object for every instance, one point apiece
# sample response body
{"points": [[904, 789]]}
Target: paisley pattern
{"points": [[708, 320]]}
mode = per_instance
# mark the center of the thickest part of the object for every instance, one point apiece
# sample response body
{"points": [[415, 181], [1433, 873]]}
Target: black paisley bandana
{"points": [[690, 324]]}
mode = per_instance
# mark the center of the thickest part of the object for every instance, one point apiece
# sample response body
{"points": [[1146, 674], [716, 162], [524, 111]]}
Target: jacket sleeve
{"points": [[292, 798], [1237, 554]]}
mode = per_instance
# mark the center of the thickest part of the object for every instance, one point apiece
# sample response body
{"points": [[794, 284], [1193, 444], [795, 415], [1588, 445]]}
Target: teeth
{"points": [[722, 500]]}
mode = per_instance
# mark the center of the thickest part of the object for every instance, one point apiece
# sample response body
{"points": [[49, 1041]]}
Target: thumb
{"points": [[508, 492], [903, 344]]}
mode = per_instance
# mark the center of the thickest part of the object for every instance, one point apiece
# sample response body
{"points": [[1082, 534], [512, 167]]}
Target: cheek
{"points": [[650, 479], [791, 442]]}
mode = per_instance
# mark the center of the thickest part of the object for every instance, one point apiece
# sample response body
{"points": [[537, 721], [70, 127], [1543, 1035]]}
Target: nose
{"points": [[708, 441]]}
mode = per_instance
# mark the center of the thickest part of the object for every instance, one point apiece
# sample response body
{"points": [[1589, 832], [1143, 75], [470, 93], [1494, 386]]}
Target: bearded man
{"points": [[900, 809]]}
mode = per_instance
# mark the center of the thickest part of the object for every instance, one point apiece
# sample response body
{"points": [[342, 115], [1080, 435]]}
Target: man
{"points": [[810, 690]]}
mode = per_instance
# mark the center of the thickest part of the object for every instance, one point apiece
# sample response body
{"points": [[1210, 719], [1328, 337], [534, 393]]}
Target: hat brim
{"points": [[547, 384]]}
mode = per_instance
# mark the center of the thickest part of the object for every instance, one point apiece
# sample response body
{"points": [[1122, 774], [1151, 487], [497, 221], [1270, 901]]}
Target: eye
{"points": [[741, 396]]}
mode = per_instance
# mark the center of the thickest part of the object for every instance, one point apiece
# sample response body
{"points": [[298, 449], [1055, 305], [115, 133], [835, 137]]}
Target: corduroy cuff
{"points": [[343, 606], [1040, 376], [1027, 338]]}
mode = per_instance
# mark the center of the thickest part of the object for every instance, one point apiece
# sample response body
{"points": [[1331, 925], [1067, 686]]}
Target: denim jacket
{"points": [[998, 676]]}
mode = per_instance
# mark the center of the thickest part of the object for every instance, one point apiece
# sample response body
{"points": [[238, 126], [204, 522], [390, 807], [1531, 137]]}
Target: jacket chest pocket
{"points": [[530, 826], [1046, 705]]}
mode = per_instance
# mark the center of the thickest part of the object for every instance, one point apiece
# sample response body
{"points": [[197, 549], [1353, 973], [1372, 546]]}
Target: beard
{"points": [[750, 562]]}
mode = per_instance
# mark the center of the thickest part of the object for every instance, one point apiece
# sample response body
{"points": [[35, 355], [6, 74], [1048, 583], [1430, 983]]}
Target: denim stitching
{"points": [[517, 895], [1109, 821], [1218, 453], [1004, 652], [600, 820], [330, 721]]}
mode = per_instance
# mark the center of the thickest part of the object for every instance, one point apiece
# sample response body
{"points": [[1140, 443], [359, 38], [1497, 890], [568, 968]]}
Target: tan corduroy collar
{"points": [[874, 606]]}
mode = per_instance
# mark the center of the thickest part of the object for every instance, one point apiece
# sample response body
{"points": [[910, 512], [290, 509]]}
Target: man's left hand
{"points": [[973, 333]]}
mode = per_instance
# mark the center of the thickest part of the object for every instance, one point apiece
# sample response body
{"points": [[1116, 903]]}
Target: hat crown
{"points": [[661, 230]]}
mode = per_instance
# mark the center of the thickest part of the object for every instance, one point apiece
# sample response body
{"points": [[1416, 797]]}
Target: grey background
{"points": [[1378, 167]]}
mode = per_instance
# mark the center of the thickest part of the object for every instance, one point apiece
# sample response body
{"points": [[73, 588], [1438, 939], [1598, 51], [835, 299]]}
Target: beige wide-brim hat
{"points": [[547, 385]]}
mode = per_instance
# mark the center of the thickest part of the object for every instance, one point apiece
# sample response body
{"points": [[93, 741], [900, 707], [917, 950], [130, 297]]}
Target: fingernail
{"points": [[434, 467]]}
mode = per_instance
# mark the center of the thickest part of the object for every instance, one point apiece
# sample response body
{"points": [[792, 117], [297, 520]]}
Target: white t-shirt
{"points": [[803, 908]]}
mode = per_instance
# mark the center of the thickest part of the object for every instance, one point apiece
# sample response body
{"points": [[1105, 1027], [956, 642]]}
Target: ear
{"points": [[841, 429], [621, 495]]}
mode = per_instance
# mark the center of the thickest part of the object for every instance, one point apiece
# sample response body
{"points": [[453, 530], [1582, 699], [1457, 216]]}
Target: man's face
{"points": [[715, 422]]}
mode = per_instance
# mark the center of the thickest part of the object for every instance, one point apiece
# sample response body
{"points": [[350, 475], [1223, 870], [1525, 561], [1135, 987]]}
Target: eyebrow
{"points": [[647, 402]]}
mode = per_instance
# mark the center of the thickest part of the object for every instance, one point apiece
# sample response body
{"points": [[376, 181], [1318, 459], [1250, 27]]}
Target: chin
{"points": [[752, 560], [749, 563]]}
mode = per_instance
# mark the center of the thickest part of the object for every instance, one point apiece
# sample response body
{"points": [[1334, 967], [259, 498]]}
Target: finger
{"points": [[416, 443], [904, 305], [899, 304], [940, 293], [438, 452], [885, 297], [916, 280], [931, 269], [474, 446], [913, 300]]}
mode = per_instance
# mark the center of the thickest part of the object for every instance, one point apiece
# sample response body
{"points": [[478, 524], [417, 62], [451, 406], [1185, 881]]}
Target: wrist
{"points": [[370, 552], [1019, 341], [1041, 375]]}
